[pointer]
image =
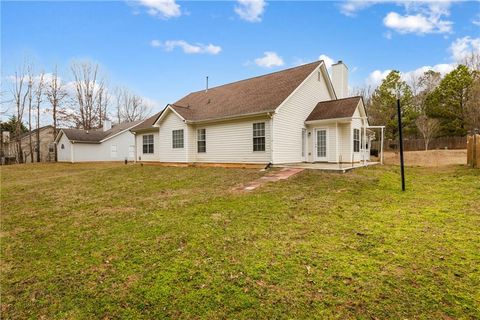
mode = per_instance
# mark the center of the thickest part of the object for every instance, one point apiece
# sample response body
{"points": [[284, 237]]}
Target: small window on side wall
{"points": [[177, 139], [201, 141], [63, 146], [147, 143], [259, 136], [356, 140]]}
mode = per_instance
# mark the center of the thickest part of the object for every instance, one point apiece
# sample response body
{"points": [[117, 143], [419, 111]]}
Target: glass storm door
{"points": [[321, 145]]}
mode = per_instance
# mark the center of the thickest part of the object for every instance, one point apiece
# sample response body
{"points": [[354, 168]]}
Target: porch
{"points": [[325, 166]]}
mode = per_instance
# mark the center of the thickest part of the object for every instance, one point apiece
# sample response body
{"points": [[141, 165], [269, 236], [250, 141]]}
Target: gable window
{"points": [[259, 136], [201, 140], [148, 143], [356, 140], [63, 146], [177, 139]]}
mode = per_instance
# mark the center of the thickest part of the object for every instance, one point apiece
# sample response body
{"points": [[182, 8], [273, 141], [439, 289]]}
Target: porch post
{"points": [[337, 154]]}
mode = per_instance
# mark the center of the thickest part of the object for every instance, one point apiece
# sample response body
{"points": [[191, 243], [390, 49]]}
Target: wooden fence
{"points": [[473, 151], [419, 144]]}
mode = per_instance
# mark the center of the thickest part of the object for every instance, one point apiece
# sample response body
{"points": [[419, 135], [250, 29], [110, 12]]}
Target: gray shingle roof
{"points": [[333, 109], [95, 136], [255, 95], [147, 123]]}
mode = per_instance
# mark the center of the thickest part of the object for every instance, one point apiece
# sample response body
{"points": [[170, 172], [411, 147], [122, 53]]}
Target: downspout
{"points": [[72, 153], [271, 137], [135, 152]]}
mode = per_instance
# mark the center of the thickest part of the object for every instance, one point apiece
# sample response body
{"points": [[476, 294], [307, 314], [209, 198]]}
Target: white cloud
{"points": [[463, 47], [376, 77], [250, 10], [350, 8], [155, 43], [161, 8], [269, 59], [476, 21], [188, 48], [417, 23], [420, 17], [328, 61]]}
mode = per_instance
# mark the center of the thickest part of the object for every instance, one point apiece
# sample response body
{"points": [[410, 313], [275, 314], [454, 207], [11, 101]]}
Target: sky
{"points": [[164, 49]]}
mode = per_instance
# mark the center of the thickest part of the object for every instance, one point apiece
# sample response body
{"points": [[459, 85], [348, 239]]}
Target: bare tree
{"points": [[39, 87], [20, 93], [130, 107], [30, 99], [428, 127], [89, 92], [56, 94]]}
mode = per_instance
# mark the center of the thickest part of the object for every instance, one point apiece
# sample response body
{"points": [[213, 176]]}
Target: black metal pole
{"points": [[400, 142]]}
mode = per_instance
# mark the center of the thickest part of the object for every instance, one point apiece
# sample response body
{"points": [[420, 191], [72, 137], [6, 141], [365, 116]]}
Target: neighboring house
{"points": [[294, 115], [46, 145], [115, 143]]}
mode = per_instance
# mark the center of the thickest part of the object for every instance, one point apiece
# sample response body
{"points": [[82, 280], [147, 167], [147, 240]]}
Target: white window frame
{"points": [[201, 140], [259, 135], [178, 139], [148, 141], [356, 140]]}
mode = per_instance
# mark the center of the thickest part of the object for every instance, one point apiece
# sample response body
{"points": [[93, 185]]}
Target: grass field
{"points": [[111, 241]]}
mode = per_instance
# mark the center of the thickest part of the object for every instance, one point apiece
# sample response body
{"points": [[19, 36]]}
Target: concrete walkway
{"points": [[274, 176]]}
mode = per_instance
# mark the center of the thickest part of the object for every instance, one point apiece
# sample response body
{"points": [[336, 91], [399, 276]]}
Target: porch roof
{"points": [[335, 109]]}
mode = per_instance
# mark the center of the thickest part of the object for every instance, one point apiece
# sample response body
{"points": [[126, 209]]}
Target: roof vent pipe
{"points": [[206, 86]]}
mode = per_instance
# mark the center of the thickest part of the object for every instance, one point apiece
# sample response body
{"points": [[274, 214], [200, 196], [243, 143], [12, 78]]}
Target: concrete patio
{"points": [[325, 166]]}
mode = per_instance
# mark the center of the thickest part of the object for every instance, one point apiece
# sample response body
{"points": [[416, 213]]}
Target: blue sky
{"points": [[163, 49]]}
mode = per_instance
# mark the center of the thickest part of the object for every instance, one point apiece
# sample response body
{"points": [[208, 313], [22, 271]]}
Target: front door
{"points": [[321, 145]]}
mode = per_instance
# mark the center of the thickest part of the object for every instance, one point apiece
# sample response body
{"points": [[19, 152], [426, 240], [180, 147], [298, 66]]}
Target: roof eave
{"points": [[328, 120], [235, 117]]}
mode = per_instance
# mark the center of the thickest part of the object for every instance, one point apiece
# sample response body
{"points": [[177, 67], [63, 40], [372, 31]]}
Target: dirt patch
{"points": [[430, 158]]}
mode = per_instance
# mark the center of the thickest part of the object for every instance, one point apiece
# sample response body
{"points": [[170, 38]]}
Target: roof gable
{"points": [[335, 109], [251, 96]]}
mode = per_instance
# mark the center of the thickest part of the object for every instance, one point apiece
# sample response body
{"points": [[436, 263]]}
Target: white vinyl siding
{"points": [[64, 154], [114, 149], [290, 118], [147, 156], [168, 124], [232, 142]]}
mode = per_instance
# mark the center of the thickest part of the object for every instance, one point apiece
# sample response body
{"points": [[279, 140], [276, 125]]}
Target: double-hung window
{"points": [[147, 143], [356, 140], [177, 139], [201, 141], [259, 136]]}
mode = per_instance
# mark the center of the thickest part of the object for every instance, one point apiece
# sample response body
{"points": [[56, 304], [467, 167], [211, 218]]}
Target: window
{"points": [[356, 140], [148, 143], [259, 136], [63, 146], [177, 139], [362, 141], [201, 141], [113, 151], [51, 147]]}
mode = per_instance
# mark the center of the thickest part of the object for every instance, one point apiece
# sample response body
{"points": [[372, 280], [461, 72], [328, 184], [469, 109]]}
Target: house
{"points": [[295, 115], [115, 143], [31, 149]]}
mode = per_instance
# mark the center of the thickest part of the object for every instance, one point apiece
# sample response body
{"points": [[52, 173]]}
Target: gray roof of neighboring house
{"points": [[26, 134], [147, 124], [334, 109], [260, 94], [97, 135]]}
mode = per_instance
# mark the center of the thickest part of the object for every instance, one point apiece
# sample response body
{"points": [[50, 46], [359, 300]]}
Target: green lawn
{"points": [[110, 241]]}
